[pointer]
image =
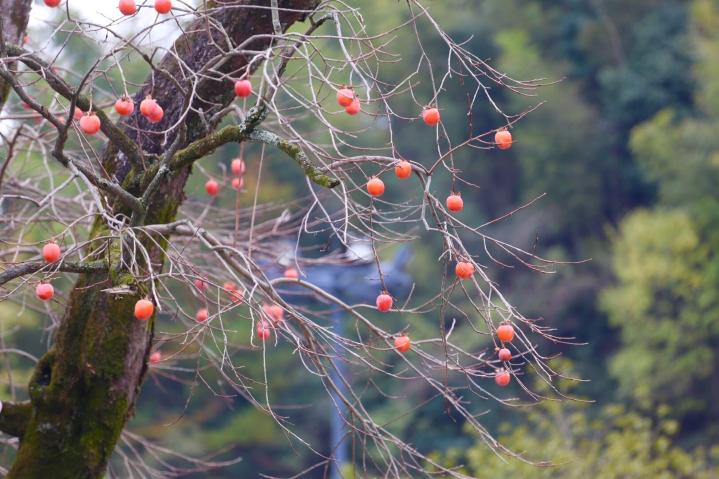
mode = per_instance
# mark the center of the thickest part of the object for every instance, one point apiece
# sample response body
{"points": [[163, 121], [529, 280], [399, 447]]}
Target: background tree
{"points": [[619, 443], [646, 304]]}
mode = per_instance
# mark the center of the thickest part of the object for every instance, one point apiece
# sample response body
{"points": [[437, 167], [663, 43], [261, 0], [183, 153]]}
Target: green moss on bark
{"points": [[15, 417], [79, 390]]}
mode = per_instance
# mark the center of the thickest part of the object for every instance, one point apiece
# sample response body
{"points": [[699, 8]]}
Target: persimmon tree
{"points": [[117, 158]]}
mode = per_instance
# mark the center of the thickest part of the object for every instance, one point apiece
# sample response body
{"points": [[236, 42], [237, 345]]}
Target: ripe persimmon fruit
{"points": [[212, 187], [464, 270], [502, 377], [430, 116], [144, 309], [90, 124], [44, 291], [384, 302], [345, 97], [402, 344], [403, 169], [505, 333], [503, 139], [51, 252], [124, 106], [375, 186], [353, 108], [127, 7], [163, 6], [504, 354], [454, 203], [243, 88]]}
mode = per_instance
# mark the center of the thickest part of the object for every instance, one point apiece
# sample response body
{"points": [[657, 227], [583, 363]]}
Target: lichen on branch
{"points": [[296, 153], [247, 132]]}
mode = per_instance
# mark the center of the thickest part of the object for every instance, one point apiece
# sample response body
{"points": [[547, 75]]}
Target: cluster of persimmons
{"points": [[149, 108]]}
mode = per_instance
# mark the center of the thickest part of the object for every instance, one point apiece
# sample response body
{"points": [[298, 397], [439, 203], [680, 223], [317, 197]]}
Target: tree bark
{"points": [[84, 389], [14, 15]]}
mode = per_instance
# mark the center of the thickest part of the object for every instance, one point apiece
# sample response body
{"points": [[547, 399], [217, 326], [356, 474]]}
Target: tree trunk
{"points": [[14, 15], [84, 389]]}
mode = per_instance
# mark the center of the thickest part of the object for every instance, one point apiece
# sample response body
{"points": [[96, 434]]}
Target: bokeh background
{"points": [[626, 148]]}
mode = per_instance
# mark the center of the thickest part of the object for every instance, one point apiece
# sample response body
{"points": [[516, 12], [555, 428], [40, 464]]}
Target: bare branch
{"points": [[296, 153], [14, 417], [113, 133], [65, 266]]}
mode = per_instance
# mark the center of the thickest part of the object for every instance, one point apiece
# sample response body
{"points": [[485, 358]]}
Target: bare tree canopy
{"points": [[94, 189]]}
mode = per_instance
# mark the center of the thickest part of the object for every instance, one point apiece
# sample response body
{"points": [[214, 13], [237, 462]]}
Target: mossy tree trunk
{"points": [[84, 388]]}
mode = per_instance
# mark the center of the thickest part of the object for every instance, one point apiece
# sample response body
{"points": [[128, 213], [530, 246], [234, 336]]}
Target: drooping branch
{"points": [[66, 267], [14, 417]]}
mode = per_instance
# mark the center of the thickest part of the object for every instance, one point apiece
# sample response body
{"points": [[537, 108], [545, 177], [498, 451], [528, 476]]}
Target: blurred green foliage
{"points": [[562, 440]]}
